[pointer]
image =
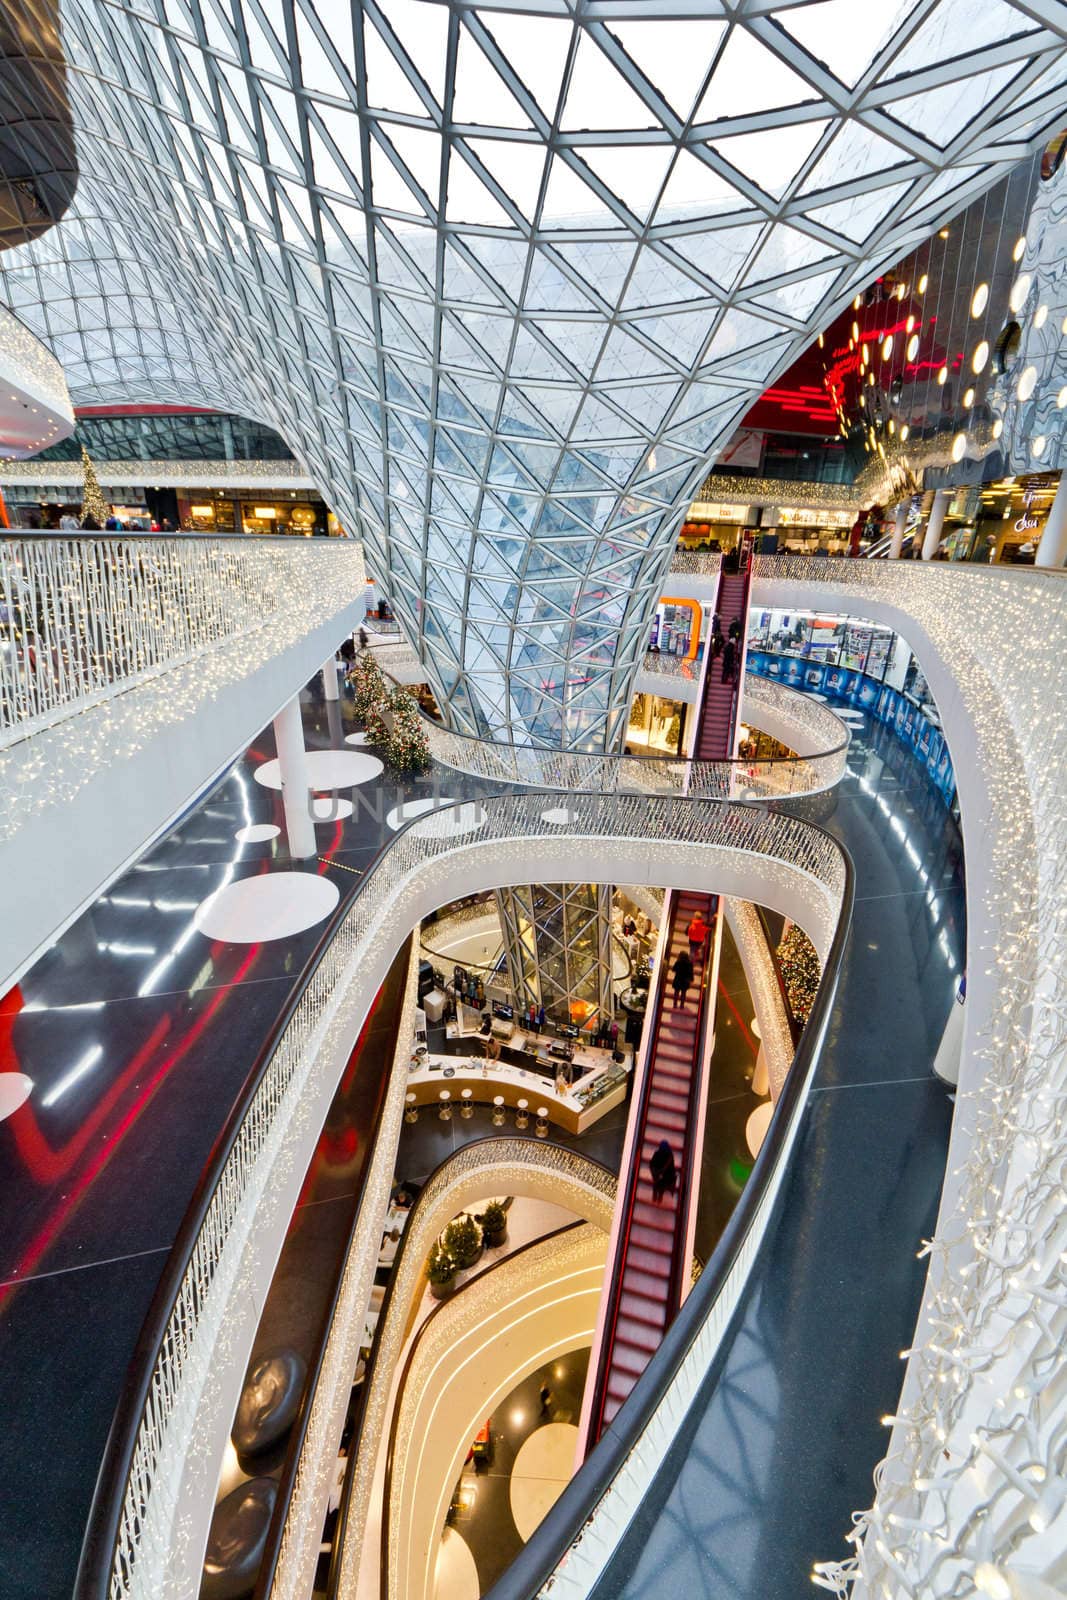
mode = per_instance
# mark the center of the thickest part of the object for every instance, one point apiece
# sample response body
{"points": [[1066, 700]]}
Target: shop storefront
{"points": [[851, 662], [677, 628], [300, 514], [656, 727]]}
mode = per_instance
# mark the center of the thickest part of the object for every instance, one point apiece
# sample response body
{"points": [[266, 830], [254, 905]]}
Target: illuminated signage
{"points": [[267, 513], [1026, 523]]}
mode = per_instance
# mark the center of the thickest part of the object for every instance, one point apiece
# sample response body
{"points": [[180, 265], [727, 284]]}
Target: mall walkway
{"points": [[138, 1032], [779, 1448]]}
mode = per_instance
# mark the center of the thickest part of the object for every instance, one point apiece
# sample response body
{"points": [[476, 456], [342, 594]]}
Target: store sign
{"points": [[267, 513], [202, 511], [1027, 523]]}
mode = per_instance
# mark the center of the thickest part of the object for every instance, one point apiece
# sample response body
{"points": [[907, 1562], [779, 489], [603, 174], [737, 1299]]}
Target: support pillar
{"points": [[1052, 551], [935, 523], [329, 677], [292, 763], [900, 524]]}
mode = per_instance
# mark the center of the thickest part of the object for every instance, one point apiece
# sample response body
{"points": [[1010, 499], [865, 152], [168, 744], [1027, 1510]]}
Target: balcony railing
{"points": [[137, 1510], [697, 563], [85, 618]]}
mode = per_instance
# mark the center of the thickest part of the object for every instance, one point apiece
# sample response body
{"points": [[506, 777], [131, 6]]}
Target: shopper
{"points": [[68, 522], [696, 933], [663, 1170], [682, 973], [729, 659], [90, 524]]}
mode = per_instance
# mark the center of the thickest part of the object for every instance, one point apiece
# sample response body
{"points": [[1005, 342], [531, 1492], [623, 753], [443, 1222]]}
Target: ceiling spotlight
{"points": [[998, 428], [980, 357], [856, 332], [1037, 448], [923, 281], [1027, 383], [1020, 246], [959, 447], [979, 300], [913, 347], [942, 376], [1061, 398], [1040, 316], [968, 399], [942, 233], [905, 430], [1019, 291], [887, 347]]}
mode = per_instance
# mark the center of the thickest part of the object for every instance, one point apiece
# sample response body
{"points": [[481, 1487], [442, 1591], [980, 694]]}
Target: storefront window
{"points": [[655, 726]]}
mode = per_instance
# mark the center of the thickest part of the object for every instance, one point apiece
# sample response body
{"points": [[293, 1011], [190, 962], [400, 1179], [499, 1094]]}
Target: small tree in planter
{"points": [[407, 747], [463, 1241], [494, 1224], [441, 1269]]}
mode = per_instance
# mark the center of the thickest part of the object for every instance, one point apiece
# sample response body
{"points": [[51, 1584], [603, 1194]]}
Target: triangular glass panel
{"points": [[480, 94], [856, 219], [537, 47], [387, 85], [468, 198], [675, 60], [772, 157], [855, 152], [942, 114], [570, 202], [695, 189], [517, 168], [634, 173], [598, 96], [749, 78], [423, 32]]}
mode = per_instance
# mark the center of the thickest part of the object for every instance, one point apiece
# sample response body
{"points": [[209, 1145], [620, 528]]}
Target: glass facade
{"points": [[505, 280], [188, 436]]}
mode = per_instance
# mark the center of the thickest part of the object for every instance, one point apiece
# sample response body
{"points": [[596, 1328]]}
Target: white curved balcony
{"points": [[35, 408]]}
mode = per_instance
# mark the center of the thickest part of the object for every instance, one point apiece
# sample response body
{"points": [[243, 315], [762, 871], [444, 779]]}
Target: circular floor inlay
{"points": [[272, 906], [327, 769], [416, 808], [559, 816], [543, 1468], [456, 1576], [256, 832], [15, 1088], [756, 1126], [330, 808], [355, 738]]}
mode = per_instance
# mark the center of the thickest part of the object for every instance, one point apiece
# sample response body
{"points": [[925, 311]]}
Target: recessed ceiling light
{"points": [[998, 428], [905, 430], [968, 399], [980, 357], [923, 281], [1027, 383], [959, 446], [1020, 246], [1040, 316], [979, 299], [942, 375], [1037, 448], [887, 347], [1019, 291], [913, 347]]}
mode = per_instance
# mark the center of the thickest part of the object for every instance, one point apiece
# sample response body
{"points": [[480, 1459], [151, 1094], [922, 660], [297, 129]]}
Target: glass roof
{"points": [[503, 280]]}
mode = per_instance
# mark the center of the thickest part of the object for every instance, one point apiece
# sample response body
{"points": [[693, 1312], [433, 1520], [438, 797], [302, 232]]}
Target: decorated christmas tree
{"points": [[368, 686], [407, 748], [800, 972], [93, 502]]}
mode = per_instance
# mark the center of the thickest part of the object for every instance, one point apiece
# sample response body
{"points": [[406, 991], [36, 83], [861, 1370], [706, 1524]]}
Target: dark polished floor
{"points": [[488, 1526], [137, 1031], [779, 1448]]}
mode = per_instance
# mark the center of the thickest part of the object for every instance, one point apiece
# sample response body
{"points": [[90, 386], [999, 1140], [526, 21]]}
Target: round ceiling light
{"points": [[1019, 291], [980, 300], [980, 357], [1027, 383], [1037, 447], [998, 428], [1040, 316], [923, 281], [959, 447], [905, 430], [1061, 398], [856, 332], [913, 347], [1020, 246]]}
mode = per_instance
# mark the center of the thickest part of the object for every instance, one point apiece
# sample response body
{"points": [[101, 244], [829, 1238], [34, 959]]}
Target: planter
{"points": [[441, 1291], [493, 1241]]}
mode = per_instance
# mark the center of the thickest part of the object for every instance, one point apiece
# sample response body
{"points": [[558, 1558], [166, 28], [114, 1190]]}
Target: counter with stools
{"points": [[575, 1108], [411, 1110], [541, 1125], [466, 1110]]}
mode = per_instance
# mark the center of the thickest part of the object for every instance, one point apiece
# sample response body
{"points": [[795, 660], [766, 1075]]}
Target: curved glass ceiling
{"points": [[504, 280]]}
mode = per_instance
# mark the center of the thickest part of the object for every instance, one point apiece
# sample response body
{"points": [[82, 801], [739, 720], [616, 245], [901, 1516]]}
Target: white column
{"points": [[935, 522], [1052, 551], [899, 525], [292, 762], [329, 677]]}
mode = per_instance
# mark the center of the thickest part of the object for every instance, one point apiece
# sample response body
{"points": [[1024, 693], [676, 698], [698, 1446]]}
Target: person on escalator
{"points": [[696, 933], [664, 1172], [682, 976], [729, 658]]}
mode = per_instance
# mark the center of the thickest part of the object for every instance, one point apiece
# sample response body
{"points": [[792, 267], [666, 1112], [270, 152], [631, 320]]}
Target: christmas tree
{"points": [[93, 502], [407, 748], [800, 972], [368, 686]]}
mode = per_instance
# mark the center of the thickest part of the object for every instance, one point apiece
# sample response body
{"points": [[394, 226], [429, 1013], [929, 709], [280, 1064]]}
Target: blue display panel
{"points": [[851, 687]]}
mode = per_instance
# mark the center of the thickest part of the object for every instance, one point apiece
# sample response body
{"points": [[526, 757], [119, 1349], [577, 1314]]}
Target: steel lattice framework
{"points": [[505, 278]]}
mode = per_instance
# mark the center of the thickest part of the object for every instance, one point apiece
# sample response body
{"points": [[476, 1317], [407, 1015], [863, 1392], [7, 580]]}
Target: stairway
{"points": [[646, 1284], [715, 740]]}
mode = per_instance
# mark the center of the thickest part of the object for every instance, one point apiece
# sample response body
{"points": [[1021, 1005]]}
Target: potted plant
{"points": [[441, 1269], [463, 1241], [494, 1224]]}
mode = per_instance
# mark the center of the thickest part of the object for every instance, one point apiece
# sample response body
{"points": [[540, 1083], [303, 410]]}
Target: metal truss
{"points": [[558, 942], [505, 277]]}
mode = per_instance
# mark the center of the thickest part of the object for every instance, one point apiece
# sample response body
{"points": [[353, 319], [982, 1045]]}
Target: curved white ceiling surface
{"points": [[505, 280]]}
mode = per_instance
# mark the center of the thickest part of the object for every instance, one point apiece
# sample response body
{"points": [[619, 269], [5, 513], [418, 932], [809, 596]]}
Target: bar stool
{"points": [[466, 1110], [522, 1119], [541, 1125], [411, 1114], [498, 1111], [445, 1112]]}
